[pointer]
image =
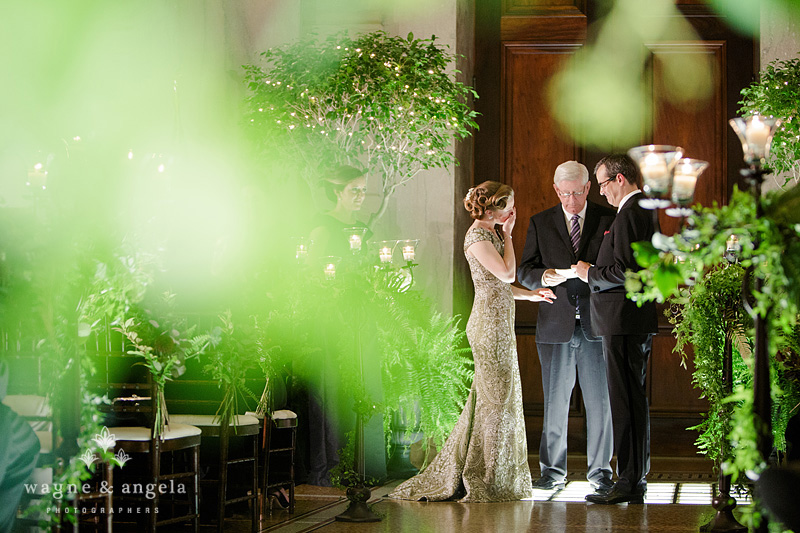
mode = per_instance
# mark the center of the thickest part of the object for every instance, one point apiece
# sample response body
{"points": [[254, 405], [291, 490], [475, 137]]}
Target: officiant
{"points": [[557, 238]]}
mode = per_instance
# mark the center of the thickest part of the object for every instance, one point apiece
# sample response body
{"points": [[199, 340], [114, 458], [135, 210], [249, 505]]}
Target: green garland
{"points": [[689, 271], [704, 318]]}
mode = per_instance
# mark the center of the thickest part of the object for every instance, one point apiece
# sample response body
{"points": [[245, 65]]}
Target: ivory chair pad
{"points": [[212, 420], [282, 414], [45, 441], [30, 405], [173, 430]]}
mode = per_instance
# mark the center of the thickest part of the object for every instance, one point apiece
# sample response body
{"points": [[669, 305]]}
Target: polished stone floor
{"points": [[548, 511], [678, 500]]}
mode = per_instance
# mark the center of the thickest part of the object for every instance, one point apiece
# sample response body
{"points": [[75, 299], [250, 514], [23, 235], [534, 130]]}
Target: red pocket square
{"points": [[607, 232]]}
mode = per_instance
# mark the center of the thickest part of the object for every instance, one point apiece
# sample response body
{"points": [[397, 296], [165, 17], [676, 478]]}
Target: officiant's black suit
{"points": [[566, 344], [627, 332]]}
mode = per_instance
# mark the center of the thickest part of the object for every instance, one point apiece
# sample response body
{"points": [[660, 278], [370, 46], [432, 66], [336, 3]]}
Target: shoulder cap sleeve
{"points": [[476, 235]]}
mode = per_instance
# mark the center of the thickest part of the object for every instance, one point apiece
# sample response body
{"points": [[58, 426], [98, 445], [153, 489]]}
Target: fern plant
{"points": [[427, 372], [706, 318]]}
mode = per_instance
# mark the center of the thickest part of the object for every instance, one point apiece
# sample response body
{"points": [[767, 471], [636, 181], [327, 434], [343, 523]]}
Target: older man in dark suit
{"points": [[626, 328], [558, 237]]}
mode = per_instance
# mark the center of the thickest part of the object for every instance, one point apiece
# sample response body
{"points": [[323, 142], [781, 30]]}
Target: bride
{"points": [[485, 458]]}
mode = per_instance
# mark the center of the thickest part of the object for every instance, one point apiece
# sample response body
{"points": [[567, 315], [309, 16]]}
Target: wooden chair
{"points": [[180, 443], [194, 399], [245, 426], [278, 444]]}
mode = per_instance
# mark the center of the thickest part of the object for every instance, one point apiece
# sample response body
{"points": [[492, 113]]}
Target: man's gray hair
{"points": [[571, 171]]}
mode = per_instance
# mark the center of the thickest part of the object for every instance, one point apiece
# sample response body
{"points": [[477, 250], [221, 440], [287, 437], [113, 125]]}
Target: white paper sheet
{"points": [[566, 272]]}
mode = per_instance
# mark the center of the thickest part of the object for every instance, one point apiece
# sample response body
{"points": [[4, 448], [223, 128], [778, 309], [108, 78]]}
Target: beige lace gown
{"points": [[485, 458]]}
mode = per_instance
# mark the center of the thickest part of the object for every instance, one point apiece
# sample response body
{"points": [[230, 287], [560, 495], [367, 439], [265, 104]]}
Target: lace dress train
{"points": [[485, 458]]}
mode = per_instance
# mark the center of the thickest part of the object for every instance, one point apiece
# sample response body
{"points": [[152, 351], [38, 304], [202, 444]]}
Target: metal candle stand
{"points": [[658, 162], [359, 495]]}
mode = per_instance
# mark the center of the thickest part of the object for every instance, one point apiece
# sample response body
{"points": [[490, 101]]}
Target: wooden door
{"points": [[520, 45]]}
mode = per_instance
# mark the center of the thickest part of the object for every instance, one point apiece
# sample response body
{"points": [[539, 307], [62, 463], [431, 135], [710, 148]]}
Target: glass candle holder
{"points": [[37, 177], [656, 163], [684, 180], [755, 133], [732, 244], [386, 250], [329, 265], [302, 248], [355, 237], [409, 249]]}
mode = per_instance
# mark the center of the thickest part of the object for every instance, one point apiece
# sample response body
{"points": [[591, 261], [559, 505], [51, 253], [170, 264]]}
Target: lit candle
{"points": [[355, 242], [330, 271], [757, 134], [732, 244], [655, 173], [386, 254], [684, 183], [408, 252], [302, 251], [37, 177]]}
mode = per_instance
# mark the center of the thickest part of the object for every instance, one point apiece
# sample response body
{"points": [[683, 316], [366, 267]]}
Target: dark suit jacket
{"points": [[613, 313], [548, 245]]}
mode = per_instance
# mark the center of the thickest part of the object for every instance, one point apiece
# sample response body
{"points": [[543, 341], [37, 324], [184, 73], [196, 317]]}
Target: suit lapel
{"points": [[589, 227], [559, 222]]}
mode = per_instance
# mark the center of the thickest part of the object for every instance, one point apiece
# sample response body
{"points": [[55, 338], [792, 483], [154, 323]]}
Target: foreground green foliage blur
{"points": [[369, 321]]}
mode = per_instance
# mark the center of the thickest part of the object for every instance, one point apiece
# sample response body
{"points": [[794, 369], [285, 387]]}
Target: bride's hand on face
{"points": [[508, 223], [543, 295]]}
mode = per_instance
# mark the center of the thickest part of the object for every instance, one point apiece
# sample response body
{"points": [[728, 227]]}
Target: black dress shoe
{"points": [[617, 494], [547, 483]]}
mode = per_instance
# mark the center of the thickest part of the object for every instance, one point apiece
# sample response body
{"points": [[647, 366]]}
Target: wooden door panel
{"points": [[699, 127], [533, 143], [669, 385], [544, 8], [533, 146], [520, 46]]}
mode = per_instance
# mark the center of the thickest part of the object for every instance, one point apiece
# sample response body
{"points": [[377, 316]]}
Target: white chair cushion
{"points": [[283, 414], [212, 420], [30, 405], [173, 430], [45, 441]]}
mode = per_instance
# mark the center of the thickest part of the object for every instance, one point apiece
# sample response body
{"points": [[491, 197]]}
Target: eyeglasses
{"points": [[602, 185], [576, 194]]}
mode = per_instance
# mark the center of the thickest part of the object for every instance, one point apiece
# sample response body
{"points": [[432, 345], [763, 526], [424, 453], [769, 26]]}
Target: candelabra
{"points": [[399, 279], [755, 133], [663, 171]]}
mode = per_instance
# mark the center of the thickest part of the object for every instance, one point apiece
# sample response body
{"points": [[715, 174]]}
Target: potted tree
{"points": [[386, 103], [777, 93]]}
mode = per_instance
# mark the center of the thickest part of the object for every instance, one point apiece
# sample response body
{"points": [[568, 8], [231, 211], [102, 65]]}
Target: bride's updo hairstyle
{"points": [[488, 196]]}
